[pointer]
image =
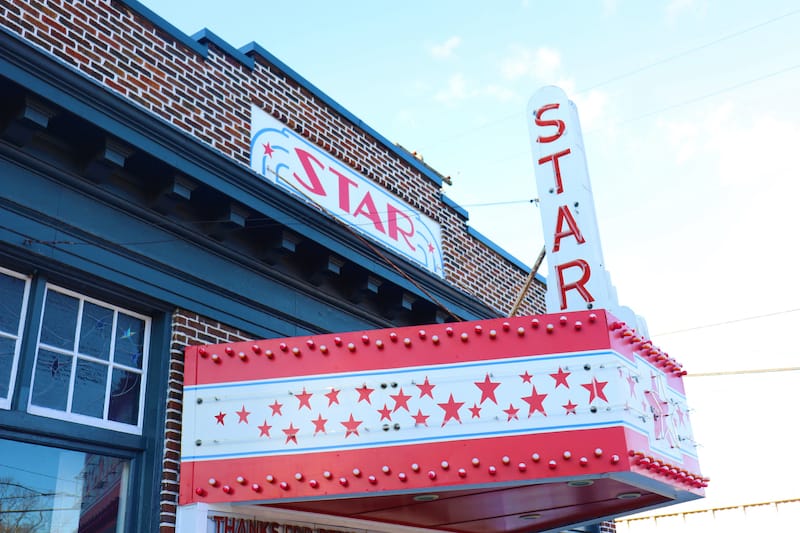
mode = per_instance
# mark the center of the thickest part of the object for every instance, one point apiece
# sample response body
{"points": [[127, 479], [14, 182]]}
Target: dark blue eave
{"points": [[198, 44]]}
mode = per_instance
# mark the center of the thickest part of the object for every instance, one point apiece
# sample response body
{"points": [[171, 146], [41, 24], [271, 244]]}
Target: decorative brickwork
{"points": [[209, 98]]}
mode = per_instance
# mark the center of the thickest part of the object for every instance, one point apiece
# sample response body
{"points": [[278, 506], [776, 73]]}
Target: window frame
{"points": [[76, 356], [5, 403]]}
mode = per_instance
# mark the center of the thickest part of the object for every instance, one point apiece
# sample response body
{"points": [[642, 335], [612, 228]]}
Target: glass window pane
{"points": [[45, 489], [89, 396], [11, 294], [7, 347], [59, 321], [51, 380], [124, 405], [96, 325], [129, 347]]}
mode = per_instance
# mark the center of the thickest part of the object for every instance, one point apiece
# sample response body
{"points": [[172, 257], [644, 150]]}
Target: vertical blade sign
{"points": [[577, 278]]}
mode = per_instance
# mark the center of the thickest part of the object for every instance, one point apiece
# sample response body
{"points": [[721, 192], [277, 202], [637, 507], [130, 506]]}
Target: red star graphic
{"points": [[291, 433], [264, 429], [487, 389], [431, 248], [400, 400], [451, 408], [319, 424], [526, 378], [305, 399], [268, 150], [426, 389], [220, 418], [595, 389], [333, 396], [363, 394], [386, 413], [351, 426], [561, 378], [475, 410], [535, 401], [419, 418], [276, 408], [570, 407], [243, 414], [511, 412]]}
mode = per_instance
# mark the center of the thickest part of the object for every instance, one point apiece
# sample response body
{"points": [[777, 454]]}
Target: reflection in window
{"points": [[44, 489], [90, 363], [13, 299]]}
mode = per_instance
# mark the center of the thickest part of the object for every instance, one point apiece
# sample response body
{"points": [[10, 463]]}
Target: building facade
{"points": [[133, 225]]}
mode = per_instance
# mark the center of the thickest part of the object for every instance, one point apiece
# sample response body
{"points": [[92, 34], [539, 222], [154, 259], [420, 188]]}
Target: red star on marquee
{"points": [[268, 150], [426, 389], [487, 387], [333, 396], [220, 418], [264, 429], [561, 378], [351, 426], [386, 413], [419, 418], [319, 424], [291, 433], [243, 414], [595, 389], [431, 249], [570, 408], [475, 410], [526, 377], [535, 402], [511, 412], [276, 408], [305, 399], [400, 400], [451, 408], [363, 394]]}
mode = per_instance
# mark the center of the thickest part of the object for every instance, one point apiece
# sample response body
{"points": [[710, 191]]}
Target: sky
{"points": [[691, 121]]}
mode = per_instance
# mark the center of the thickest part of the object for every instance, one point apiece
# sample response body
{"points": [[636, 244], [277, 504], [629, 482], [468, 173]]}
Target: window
{"points": [[51, 489], [13, 302], [91, 362]]}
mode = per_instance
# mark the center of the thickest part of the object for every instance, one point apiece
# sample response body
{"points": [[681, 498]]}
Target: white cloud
{"points": [[541, 64], [445, 49], [456, 90]]}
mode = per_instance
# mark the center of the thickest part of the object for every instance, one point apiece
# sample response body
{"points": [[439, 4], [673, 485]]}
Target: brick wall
{"points": [[209, 98], [188, 329]]}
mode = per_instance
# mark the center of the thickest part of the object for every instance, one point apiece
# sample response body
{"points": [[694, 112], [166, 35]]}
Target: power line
{"points": [[726, 322], [631, 73], [742, 372]]}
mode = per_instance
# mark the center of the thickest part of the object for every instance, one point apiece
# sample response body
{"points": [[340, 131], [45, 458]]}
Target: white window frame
{"points": [[111, 364], [5, 403]]}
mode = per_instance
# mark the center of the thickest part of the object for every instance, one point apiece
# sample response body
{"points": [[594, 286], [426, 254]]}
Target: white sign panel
{"points": [[577, 278], [286, 159]]}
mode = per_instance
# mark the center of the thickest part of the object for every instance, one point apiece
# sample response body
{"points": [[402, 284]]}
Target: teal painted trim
{"points": [[205, 36], [161, 23], [446, 200]]}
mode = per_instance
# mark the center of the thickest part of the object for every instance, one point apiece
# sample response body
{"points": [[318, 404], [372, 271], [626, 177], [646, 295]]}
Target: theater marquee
{"points": [[483, 426]]}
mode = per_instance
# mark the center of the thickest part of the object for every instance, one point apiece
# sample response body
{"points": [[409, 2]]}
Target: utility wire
{"points": [[726, 322], [742, 372]]}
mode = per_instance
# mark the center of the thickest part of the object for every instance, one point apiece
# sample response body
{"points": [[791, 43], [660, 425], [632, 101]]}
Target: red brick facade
{"points": [[210, 97]]}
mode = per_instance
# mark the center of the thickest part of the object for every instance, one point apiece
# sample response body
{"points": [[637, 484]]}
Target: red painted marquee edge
{"points": [[490, 339], [454, 465]]}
